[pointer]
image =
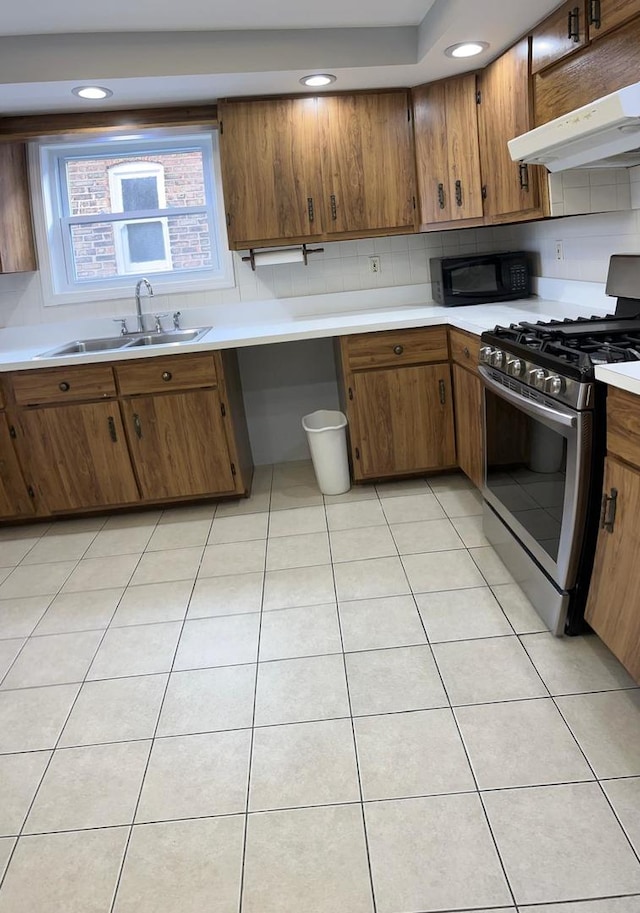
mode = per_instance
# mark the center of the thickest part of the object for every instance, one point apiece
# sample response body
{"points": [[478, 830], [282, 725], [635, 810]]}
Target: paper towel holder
{"points": [[305, 254]]}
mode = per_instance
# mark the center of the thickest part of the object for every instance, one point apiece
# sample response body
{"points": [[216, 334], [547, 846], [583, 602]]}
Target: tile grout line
{"points": [[245, 835], [127, 843]]}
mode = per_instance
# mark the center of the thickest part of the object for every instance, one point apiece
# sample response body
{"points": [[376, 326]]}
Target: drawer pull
{"points": [[398, 350], [167, 375], [137, 424], [442, 392], [573, 25], [466, 352], [64, 386], [609, 507], [523, 172], [458, 193], [334, 207], [595, 17], [310, 209], [112, 430], [441, 202]]}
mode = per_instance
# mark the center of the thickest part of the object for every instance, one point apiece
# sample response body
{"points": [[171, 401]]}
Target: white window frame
{"points": [[116, 174], [46, 159]]}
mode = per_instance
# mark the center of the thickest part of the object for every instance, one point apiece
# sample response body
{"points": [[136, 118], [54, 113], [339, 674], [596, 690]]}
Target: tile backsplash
{"points": [[587, 241]]}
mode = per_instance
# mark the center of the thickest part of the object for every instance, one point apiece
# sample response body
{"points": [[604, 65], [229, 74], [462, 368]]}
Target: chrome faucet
{"points": [[139, 285]]}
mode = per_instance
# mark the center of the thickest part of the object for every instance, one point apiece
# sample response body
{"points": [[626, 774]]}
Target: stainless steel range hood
{"points": [[605, 133]]}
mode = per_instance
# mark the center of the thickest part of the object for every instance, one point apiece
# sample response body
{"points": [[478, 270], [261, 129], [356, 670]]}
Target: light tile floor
{"points": [[298, 704]]}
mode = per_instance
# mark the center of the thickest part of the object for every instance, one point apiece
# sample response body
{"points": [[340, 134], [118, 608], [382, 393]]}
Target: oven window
{"points": [[469, 280], [526, 470]]}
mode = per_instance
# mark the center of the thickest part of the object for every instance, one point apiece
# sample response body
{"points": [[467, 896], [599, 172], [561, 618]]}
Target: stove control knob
{"points": [[515, 367], [537, 378], [485, 354], [498, 358], [555, 384]]}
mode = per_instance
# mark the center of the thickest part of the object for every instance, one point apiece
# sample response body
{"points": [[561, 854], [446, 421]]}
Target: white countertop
{"points": [[626, 376], [286, 320]]}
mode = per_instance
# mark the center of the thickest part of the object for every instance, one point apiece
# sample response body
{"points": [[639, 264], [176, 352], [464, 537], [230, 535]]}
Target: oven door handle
{"points": [[537, 410]]}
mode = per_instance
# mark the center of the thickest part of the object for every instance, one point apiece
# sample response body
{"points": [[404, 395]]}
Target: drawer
{"points": [[172, 372], [465, 348], [391, 348], [63, 385], [623, 425]]}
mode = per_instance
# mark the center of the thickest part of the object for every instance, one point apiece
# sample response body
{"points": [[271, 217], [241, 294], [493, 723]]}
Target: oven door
{"points": [[537, 472]]}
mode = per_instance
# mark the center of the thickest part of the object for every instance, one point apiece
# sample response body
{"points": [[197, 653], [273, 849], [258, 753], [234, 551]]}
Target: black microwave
{"points": [[480, 278]]}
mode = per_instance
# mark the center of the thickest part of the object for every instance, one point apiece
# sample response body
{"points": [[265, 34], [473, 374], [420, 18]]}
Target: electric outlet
{"points": [[374, 264], [559, 250]]}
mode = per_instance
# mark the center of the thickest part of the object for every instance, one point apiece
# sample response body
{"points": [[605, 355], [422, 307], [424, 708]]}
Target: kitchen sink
{"points": [[117, 343]]}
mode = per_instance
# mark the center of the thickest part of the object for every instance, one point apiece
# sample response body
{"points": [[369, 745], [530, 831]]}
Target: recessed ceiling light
{"points": [[467, 49], [93, 92], [319, 79]]}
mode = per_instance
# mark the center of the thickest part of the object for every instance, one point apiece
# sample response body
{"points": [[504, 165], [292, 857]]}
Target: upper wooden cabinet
{"points": [[308, 168], [270, 170], [512, 191], [563, 33], [447, 150], [17, 249], [368, 166], [605, 15]]}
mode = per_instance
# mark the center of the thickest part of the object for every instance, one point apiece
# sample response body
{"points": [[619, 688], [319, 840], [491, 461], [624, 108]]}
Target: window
{"points": [[114, 210]]}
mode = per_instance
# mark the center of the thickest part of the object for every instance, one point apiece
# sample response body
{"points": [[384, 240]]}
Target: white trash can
{"points": [[328, 445]]}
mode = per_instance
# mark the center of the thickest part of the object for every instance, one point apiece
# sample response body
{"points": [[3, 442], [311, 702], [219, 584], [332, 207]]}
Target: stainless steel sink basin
{"points": [[82, 346], [170, 338], [115, 343]]}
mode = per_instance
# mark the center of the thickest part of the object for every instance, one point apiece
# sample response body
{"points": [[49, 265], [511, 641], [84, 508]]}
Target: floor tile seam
{"points": [[492, 587], [353, 733], [531, 908], [483, 574], [245, 833], [148, 759], [52, 755], [57, 560], [475, 780]]}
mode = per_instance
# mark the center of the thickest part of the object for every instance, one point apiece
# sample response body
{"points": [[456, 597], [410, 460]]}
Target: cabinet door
{"points": [[613, 608], [511, 189], [469, 436], [368, 164], [465, 182], [78, 457], [270, 170], [17, 249], [432, 154], [404, 421], [605, 15], [14, 499], [178, 444], [564, 32]]}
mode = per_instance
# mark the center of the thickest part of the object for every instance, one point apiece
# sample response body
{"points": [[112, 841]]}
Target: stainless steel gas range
{"points": [[545, 438]]}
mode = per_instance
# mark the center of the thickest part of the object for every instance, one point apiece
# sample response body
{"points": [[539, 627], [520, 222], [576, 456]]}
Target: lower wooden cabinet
{"points": [[14, 498], [77, 456], [178, 444], [400, 418], [469, 434], [613, 607]]}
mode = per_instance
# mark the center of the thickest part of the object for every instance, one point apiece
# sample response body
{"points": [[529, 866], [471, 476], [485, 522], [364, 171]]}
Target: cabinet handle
{"points": [[595, 15], [64, 386], [357, 453], [484, 191], [137, 424], [523, 170], [459, 193], [310, 208], [334, 208], [350, 393], [573, 24], [608, 513], [443, 397], [112, 430], [167, 375], [466, 352], [441, 195], [398, 350]]}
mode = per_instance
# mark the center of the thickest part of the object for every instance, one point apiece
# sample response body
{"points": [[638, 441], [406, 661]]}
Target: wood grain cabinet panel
{"points": [[613, 606], [368, 163], [163, 374], [14, 497], [178, 444], [606, 15], [270, 169], [512, 191], [17, 247], [465, 349], [403, 421], [391, 348], [447, 150], [65, 384], [561, 34], [623, 425], [468, 401], [77, 456]]}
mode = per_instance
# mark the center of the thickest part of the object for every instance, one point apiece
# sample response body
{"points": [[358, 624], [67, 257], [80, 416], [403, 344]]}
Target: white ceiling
{"points": [[197, 51]]}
